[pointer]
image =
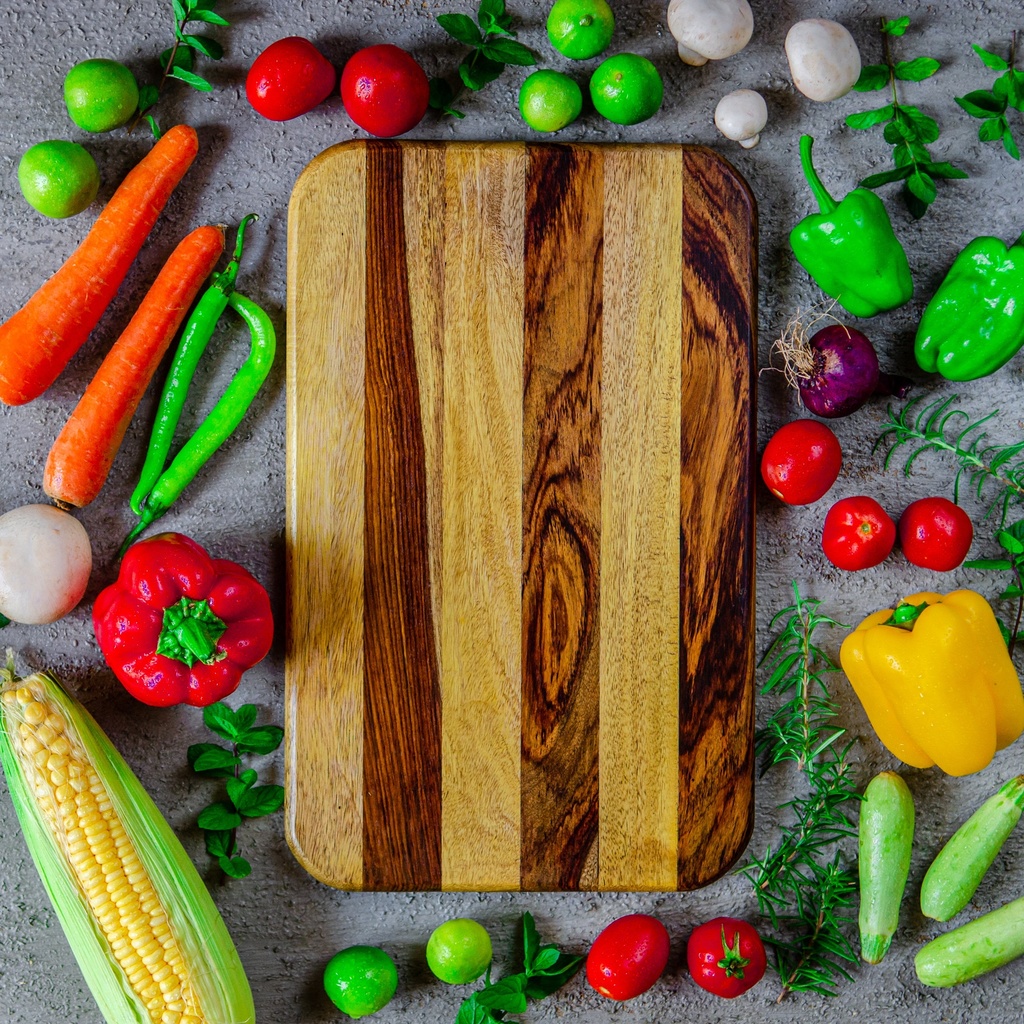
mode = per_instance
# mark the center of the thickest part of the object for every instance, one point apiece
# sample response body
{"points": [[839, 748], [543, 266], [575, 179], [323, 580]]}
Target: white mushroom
{"points": [[823, 59], [741, 115], [710, 29]]}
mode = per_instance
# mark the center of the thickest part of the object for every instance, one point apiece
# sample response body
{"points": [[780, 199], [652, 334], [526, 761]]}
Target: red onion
{"points": [[836, 370]]}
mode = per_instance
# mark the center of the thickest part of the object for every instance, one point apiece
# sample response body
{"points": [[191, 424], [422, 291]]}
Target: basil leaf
{"points": [[262, 740], [460, 27], [869, 118], [153, 127], [922, 185], [471, 1012], [916, 70], [219, 817], [234, 867], [1009, 542], [872, 78], [546, 958], [491, 9], [542, 985], [476, 71], [990, 60], [531, 940], [507, 995], [1010, 592], [213, 760], [245, 718], [209, 17], [508, 51], [261, 800], [981, 103], [180, 14], [992, 129], [993, 564], [896, 27], [220, 719], [205, 45], [218, 842], [183, 58], [148, 95], [944, 169], [237, 788], [897, 130], [885, 177]]}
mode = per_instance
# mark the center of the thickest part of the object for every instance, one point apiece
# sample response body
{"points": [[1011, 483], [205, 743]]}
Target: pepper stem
{"points": [[825, 201], [905, 615], [190, 633], [733, 961], [225, 280]]}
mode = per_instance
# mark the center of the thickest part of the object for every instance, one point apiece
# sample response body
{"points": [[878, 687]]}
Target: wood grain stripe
{"points": [[561, 517], [716, 723], [402, 736], [324, 553], [482, 522], [640, 453]]}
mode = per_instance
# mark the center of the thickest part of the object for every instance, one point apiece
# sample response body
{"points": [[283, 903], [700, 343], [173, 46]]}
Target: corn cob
{"points": [[147, 936]]}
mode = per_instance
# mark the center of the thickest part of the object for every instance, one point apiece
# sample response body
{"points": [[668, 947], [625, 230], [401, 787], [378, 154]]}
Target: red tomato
{"points": [[935, 534], [627, 958], [289, 78], [857, 534], [726, 957], [384, 90], [801, 462]]}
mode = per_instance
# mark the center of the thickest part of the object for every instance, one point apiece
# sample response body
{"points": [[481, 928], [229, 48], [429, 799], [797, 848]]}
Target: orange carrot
{"points": [[84, 451], [37, 342]]}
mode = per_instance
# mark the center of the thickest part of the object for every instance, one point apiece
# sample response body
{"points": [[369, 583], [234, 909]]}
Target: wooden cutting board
{"points": [[520, 528]]}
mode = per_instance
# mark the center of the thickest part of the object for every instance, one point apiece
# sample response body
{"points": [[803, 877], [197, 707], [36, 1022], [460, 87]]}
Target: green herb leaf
{"points": [[991, 60], [898, 131], [180, 14], [872, 77], [148, 95], [922, 185], [245, 719], [531, 940], [992, 129], [237, 788], [260, 740], [1010, 542], [218, 842], [981, 103], [943, 169], [260, 801], [442, 96], [460, 27], [507, 995], [869, 118], [1015, 89], [189, 78], [220, 719], [476, 71], [471, 1012], [209, 17], [235, 867], [896, 27], [212, 759], [182, 57], [153, 126], [494, 9], [541, 985], [508, 51], [916, 70], [886, 177], [219, 817], [205, 45], [1009, 143], [546, 958]]}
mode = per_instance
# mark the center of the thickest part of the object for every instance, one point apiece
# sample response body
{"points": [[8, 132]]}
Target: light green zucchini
{"points": [[885, 838]]}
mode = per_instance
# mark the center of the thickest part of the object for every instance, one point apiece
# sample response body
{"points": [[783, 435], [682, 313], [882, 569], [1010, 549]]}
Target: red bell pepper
{"points": [[180, 627]]}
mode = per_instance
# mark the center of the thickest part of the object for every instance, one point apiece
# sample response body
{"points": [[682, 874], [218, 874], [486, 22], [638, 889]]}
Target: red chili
{"points": [[180, 627]]}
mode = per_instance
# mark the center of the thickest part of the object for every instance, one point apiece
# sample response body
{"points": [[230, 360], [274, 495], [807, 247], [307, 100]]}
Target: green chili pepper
{"points": [[159, 487], [975, 321], [850, 248]]}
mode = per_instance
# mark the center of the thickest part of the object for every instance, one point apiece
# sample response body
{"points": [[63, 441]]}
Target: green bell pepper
{"points": [[975, 321], [850, 248]]}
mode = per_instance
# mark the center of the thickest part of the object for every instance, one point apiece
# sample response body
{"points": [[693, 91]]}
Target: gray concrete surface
{"points": [[286, 925]]}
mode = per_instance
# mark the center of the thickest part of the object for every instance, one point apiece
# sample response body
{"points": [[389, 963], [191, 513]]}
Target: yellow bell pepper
{"points": [[936, 681]]}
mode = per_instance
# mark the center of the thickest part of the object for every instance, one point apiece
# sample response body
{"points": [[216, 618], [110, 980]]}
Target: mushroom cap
{"points": [[710, 29], [741, 115], [823, 59]]}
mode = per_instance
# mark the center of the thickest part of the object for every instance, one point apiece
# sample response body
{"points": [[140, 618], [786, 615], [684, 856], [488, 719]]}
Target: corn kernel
{"points": [[34, 713]]}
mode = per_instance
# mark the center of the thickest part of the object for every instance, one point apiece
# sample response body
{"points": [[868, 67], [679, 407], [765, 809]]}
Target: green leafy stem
{"points": [[178, 61], [220, 820], [493, 47], [1011, 540], [907, 129], [990, 105], [545, 970]]}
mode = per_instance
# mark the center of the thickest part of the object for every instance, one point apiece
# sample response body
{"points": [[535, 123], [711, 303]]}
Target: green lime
{"points": [[459, 951], [360, 980], [627, 89], [59, 179], [580, 29], [100, 95], [549, 100]]}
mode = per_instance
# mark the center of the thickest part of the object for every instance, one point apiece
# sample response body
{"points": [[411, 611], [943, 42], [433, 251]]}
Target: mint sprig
{"points": [[220, 820], [493, 46], [991, 105], [545, 970], [907, 129], [179, 60]]}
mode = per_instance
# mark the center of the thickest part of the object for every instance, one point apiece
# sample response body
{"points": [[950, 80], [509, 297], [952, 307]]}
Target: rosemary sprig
{"points": [[990, 105], [907, 129], [941, 426], [803, 884]]}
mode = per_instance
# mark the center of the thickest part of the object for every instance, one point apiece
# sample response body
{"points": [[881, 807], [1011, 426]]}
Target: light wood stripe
{"points": [[482, 525], [640, 457], [324, 721], [401, 742], [561, 517]]}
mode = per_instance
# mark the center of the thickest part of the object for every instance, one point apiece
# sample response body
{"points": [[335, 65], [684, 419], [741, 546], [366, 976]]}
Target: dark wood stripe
{"points": [[716, 757], [561, 517], [402, 723]]}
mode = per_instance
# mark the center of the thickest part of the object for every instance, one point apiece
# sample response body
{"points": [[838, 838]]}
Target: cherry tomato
{"points": [[857, 534], [801, 462], [628, 957], [384, 90], [935, 534], [289, 78], [726, 957]]}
